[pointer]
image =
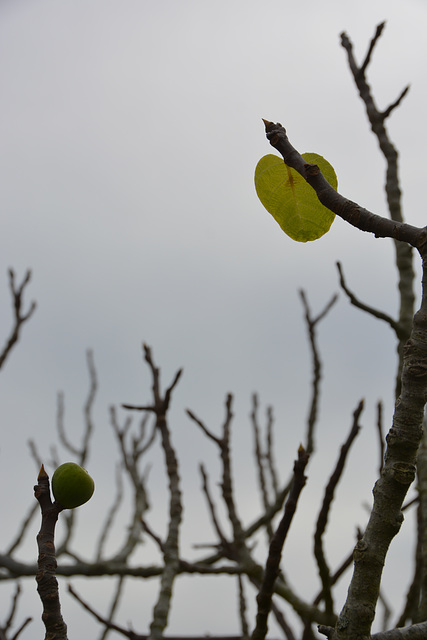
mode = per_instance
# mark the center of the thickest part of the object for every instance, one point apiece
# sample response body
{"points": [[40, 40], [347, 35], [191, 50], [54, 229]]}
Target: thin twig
{"points": [[88, 407], [311, 324], [17, 292], [276, 545], [270, 452], [259, 458], [4, 629], [160, 408], [114, 605], [345, 564], [111, 515], [372, 44], [242, 609], [212, 509], [365, 307], [380, 435], [322, 520]]}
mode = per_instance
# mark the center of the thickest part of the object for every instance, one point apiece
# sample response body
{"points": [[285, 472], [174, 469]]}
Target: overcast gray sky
{"points": [[130, 132]]}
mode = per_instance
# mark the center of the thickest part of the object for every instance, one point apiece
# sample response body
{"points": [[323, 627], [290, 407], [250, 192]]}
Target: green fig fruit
{"points": [[72, 486]]}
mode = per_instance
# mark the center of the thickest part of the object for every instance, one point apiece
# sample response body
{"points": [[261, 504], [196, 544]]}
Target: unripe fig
{"points": [[72, 486]]}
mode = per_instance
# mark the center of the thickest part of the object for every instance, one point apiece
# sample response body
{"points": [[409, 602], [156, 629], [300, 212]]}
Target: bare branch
{"points": [[227, 484], [282, 622], [81, 452], [316, 364], [269, 452], [322, 520], [160, 407], [114, 605], [111, 514], [385, 114], [104, 621], [93, 387], [259, 458], [242, 609], [410, 611], [60, 412], [346, 563], [373, 42], [364, 307], [212, 509], [20, 318], [414, 632], [206, 431], [131, 455], [4, 629], [47, 584], [22, 530], [275, 551], [404, 253]]}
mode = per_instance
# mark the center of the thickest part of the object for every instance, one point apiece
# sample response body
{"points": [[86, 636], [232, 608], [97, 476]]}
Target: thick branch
{"points": [[390, 490], [47, 584], [349, 211], [404, 437]]}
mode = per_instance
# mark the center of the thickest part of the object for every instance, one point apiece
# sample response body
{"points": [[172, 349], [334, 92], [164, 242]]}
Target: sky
{"points": [[130, 133]]}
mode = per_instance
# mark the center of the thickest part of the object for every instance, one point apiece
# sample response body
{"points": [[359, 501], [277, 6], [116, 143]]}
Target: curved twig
{"points": [[367, 308]]}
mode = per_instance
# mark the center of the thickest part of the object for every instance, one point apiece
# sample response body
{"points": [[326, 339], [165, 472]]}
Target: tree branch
{"points": [[317, 364], [47, 584], [259, 458], [404, 253], [349, 211], [368, 309], [160, 407], [20, 318], [322, 519], [275, 551]]}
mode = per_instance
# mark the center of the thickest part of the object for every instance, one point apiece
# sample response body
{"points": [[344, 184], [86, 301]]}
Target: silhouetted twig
{"points": [[365, 307], [259, 458], [276, 545], [322, 519], [20, 318], [316, 364]]}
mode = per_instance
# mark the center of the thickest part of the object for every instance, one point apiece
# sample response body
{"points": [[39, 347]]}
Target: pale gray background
{"points": [[130, 132]]}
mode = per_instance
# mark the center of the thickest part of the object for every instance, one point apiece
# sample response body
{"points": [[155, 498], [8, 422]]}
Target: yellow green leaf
{"points": [[292, 202]]}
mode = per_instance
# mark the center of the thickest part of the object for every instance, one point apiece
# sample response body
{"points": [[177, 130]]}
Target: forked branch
{"points": [[17, 291]]}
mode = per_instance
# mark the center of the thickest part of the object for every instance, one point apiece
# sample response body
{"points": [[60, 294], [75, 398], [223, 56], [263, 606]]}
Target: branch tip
{"points": [[42, 474]]}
